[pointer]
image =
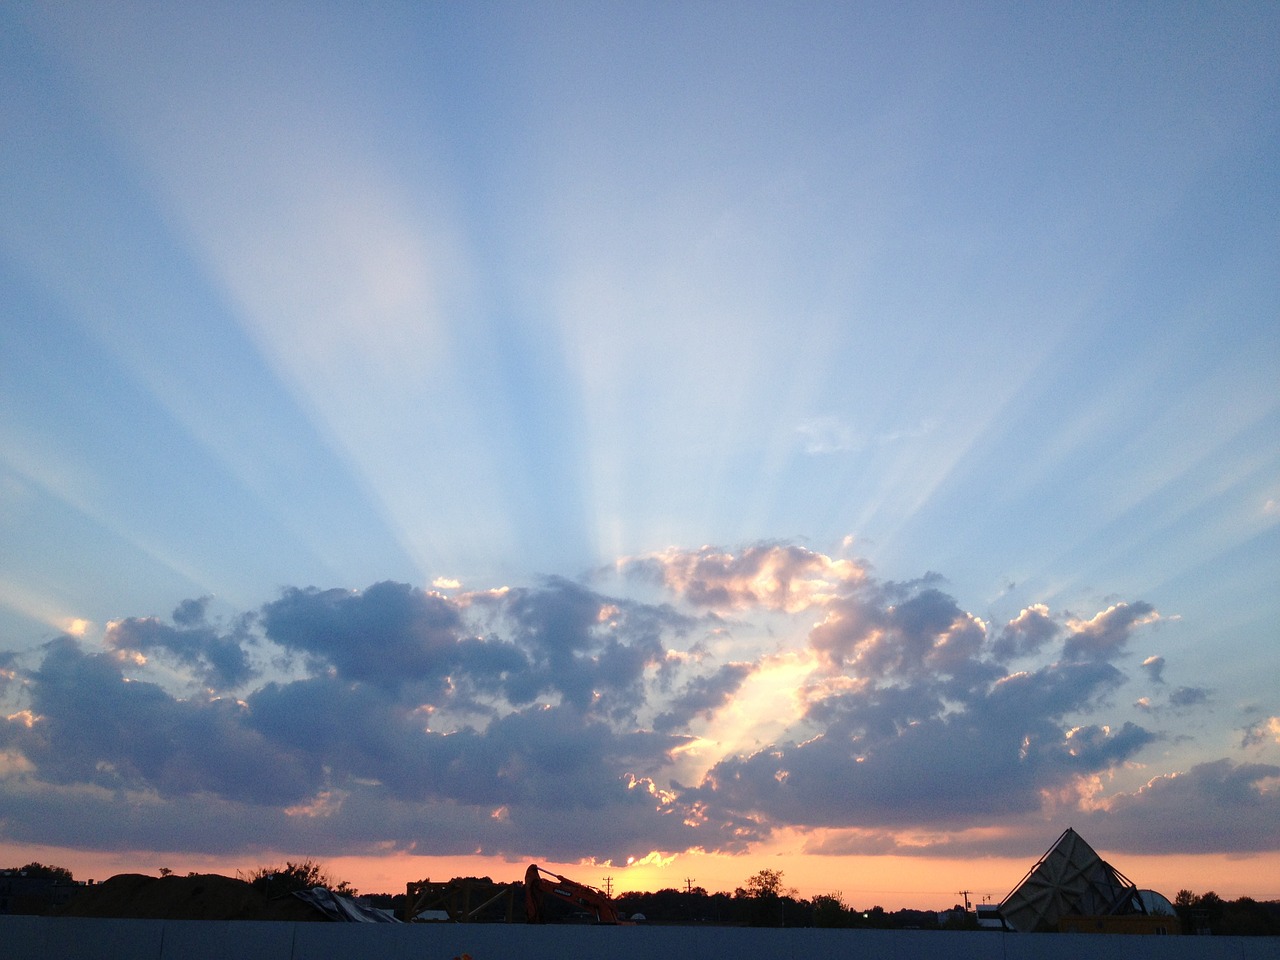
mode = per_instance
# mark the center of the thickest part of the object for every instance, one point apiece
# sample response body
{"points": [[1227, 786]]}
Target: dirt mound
{"points": [[201, 897]]}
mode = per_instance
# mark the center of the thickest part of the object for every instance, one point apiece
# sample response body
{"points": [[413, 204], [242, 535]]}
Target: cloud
{"points": [[590, 650], [95, 732], [191, 612], [821, 435], [1155, 668], [1105, 636], [1189, 697], [389, 634], [1027, 633], [560, 720], [926, 633], [1214, 807], [379, 718], [703, 695], [93, 726], [542, 757], [914, 697], [884, 753], [770, 576], [826, 435], [218, 660], [1260, 732]]}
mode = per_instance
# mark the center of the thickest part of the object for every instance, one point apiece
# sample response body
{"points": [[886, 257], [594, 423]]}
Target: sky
{"points": [[661, 441]]}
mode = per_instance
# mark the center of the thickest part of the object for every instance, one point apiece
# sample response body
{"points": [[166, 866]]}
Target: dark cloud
{"points": [[1155, 668], [288, 744], [1189, 696], [548, 757], [896, 757], [93, 726], [1260, 732], [512, 721], [1027, 634], [390, 635], [876, 712], [191, 612], [541, 756], [360, 820], [703, 695], [1107, 634], [931, 732], [1023, 838], [384, 663], [924, 633], [1053, 692], [590, 650], [339, 731], [218, 660], [1216, 807]]}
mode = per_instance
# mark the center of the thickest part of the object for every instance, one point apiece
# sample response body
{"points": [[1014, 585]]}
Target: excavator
{"points": [[540, 884]]}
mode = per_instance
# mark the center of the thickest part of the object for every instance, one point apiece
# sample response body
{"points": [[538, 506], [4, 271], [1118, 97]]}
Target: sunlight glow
{"points": [[768, 702], [13, 762], [24, 717], [39, 607], [324, 804]]}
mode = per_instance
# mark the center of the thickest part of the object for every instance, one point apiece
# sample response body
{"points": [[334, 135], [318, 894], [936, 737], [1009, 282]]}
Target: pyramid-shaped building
{"points": [[1070, 880]]}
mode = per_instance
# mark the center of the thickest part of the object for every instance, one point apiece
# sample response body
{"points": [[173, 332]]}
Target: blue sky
{"points": [[742, 386]]}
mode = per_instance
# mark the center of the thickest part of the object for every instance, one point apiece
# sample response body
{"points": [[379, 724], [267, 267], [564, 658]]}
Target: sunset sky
{"points": [[656, 440]]}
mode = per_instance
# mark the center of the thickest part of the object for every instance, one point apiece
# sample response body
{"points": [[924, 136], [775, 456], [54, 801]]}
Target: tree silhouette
{"points": [[767, 884], [767, 896], [279, 881], [830, 910]]}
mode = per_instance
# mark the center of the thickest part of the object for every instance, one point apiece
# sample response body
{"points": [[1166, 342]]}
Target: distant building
{"points": [[989, 917], [21, 894], [1073, 890]]}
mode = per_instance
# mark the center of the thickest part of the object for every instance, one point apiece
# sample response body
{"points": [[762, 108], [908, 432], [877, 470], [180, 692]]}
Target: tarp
{"points": [[1069, 880], [343, 908]]}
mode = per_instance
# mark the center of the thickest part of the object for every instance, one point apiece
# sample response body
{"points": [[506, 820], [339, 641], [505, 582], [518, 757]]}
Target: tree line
{"points": [[763, 901], [36, 869], [1209, 913]]}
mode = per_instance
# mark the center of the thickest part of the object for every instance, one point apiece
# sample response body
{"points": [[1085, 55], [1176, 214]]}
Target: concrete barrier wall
{"points": [[73, 938]]}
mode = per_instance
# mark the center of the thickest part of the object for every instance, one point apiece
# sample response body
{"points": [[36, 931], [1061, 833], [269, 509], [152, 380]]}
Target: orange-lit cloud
{"points": [[576, 726], [771, 576]]}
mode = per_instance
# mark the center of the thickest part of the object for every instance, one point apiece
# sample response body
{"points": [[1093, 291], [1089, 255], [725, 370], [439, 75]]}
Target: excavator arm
{"points": [[540, 884]]}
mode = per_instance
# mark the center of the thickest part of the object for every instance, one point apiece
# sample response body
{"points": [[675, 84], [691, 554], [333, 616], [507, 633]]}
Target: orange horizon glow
{"points": [[893, 882]]}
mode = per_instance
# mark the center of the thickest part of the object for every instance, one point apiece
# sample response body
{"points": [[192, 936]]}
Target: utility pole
{"points": [[688, 885], [608, 886], [965, 894]]}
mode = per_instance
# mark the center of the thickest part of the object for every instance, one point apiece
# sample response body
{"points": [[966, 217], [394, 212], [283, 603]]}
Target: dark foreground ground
{"points": [[86, 938]]}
